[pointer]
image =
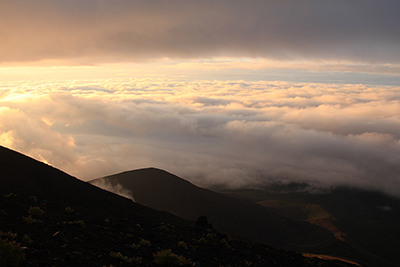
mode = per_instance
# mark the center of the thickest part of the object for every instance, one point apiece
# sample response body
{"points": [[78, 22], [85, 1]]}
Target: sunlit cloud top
{"points": [[235, 133], [101, 31]]}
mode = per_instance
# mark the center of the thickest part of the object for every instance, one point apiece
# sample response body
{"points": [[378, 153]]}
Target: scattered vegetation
{"points": [[166, 257], [163, 227], [145, 243], [9, 235], [35, 211], [26, 240], [118, 255], [69, 210], [202, 240], [130, 235], [182, 244], [10, 253], [29, 219], [135, 246]]}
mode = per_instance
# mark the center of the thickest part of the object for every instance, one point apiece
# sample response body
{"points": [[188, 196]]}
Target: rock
{"points": [[202, 222], [2, 213], [196, 264], [60, 237]]}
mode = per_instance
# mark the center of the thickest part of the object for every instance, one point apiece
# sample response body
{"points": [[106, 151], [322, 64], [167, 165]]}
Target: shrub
{"points": [[137, 260], [69, 210], [29, 219], [166, 257], [9, 235], [224, 242], [10, 195], [163, 228], [202, 241], [35, 211], [135, 246], [26, 240], [145, 243], [182, 244], [10, 253], [118, 255]]}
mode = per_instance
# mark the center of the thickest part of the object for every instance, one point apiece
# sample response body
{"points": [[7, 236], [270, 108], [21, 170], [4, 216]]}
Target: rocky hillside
{"points": [[48, 218]]}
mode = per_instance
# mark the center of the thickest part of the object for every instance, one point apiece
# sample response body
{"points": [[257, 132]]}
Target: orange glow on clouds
{"points": [[319, 132]]}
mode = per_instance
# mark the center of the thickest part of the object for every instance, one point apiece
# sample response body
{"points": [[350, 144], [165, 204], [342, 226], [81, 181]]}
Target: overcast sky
{"points": [[94, 31], [233, 92]]}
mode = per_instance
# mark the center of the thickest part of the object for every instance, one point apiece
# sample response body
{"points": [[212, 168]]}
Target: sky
{"points": [[226, 92]]}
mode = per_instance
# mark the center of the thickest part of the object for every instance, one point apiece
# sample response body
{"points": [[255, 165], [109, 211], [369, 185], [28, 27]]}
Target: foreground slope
{"points": [[365, 219], [164, 191], [48, 218]]}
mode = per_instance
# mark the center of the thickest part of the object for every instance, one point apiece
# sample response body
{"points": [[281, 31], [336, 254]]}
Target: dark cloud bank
{"points": [[123, 30]]}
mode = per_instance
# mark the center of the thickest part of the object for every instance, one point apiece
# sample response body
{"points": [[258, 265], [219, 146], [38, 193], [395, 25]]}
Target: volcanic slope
{"points": [[367, 220], [164, 191], [48, 218], [22, 175]]}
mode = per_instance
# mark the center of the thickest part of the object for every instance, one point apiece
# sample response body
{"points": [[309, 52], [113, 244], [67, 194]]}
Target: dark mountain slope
{"points": [[48, 218], [163, 191], [367, 220], [22, 175]]}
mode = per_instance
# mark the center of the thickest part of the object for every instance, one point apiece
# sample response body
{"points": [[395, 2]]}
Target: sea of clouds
{"points": [[234, 133]]}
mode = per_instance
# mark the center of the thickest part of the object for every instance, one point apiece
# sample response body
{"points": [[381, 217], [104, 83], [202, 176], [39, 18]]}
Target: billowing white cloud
{"points": [[235, 133], [93, 31]]}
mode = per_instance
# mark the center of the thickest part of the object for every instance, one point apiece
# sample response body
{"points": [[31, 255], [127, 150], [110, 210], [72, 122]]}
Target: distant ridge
{"points": [[23, 175], [164, 191]]}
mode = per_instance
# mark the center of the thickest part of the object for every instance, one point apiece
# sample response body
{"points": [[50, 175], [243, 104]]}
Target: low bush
{"points": [[10, 253], [145, 243], [9, 235], [166, 257], [35, 211], [182, 244], [29, 219], [202, 240], [118, 255], [69, 210], [26, 240]]}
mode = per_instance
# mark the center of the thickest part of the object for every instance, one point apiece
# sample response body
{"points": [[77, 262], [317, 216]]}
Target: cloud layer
{"points": [[234, 133], [95, 31]]}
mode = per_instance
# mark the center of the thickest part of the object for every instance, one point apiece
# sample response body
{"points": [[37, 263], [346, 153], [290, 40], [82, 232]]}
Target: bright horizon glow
{"points": [[200, 67]]}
